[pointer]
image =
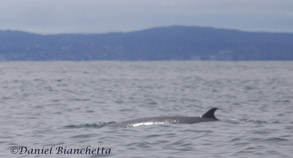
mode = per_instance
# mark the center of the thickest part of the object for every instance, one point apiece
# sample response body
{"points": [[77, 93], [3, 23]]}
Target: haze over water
{"points": [[69, 104]]}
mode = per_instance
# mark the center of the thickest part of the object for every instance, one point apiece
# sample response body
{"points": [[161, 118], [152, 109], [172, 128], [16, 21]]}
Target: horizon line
{"points": [[144, 29]]}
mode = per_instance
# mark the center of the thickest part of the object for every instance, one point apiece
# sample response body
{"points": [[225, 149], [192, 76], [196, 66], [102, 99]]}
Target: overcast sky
{"points": [[98, 16]]}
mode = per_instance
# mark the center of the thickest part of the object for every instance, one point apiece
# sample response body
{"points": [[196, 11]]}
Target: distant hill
{"points": [[165, 43]]}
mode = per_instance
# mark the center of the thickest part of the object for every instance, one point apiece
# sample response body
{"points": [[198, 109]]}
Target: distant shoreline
{"points": [[157, 44]]}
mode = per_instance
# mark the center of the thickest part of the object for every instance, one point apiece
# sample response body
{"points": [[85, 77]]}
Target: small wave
{"points": [[232, 121], [87, 125], [143, 144], [276, 139], [254, 121], [84, 136]]}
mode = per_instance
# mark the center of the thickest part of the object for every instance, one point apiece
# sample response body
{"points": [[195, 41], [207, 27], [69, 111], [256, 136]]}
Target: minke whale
{"points": [[206, 117]]}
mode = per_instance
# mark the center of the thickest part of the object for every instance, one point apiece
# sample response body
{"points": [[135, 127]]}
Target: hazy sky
{"points": [[96, 16]]}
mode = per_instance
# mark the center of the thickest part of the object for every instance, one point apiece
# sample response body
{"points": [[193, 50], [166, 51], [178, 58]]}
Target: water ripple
{"points": [[93, 125]]}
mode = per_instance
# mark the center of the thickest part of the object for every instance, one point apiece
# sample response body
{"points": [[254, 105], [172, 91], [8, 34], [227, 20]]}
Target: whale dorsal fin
{"points": [[210, 114]]}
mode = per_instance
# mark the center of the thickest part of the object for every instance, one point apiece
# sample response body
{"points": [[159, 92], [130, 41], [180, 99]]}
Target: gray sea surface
{"points": [[46, 106]]}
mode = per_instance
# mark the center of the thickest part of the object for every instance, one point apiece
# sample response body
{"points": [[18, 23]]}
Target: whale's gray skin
{"points": [[208, 116]]}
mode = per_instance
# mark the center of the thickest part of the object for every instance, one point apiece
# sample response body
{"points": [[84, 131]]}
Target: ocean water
{"points": [[62, 109]]}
